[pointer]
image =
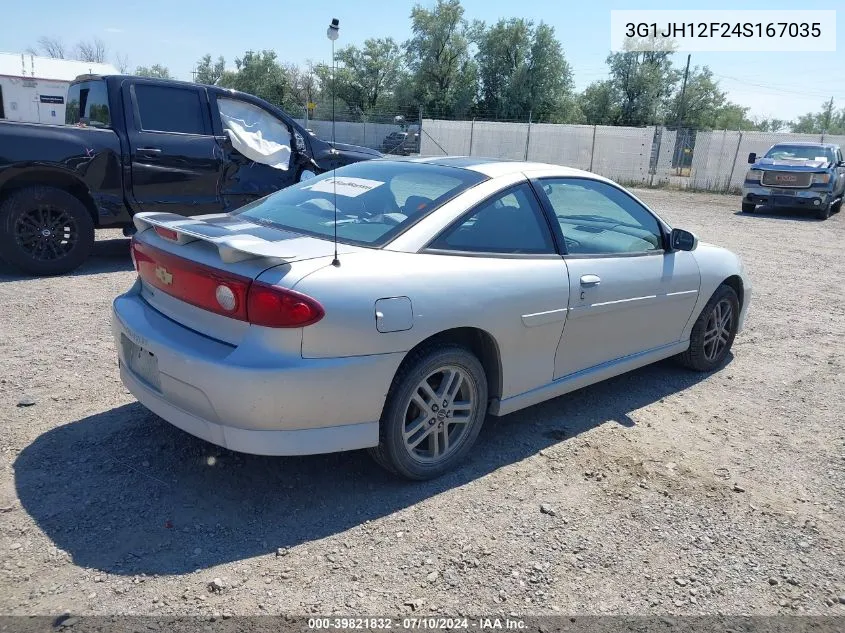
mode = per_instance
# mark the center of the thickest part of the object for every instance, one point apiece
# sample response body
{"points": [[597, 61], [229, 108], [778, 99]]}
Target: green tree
{"points": [[522, 70], [156, 71], [645, 82], [444, 74], [601, 103], [259, 74], [208, 71], [828, 120], [369, 74]]}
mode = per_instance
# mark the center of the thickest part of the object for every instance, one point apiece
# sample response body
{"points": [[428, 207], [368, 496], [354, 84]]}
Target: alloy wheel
{"points": [[438, 414], [46, 233], [717, 332]]}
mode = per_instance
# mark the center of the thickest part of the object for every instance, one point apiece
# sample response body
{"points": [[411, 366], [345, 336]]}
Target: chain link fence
{"points": [[391, 133], [647, 156]]}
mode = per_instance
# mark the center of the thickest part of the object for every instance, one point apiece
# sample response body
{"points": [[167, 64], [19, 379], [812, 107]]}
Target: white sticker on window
{"points": [[348, 187], [821, 159]]}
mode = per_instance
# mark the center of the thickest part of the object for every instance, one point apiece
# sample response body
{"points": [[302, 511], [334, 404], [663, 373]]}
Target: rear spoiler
{"points": [[233, 244]]}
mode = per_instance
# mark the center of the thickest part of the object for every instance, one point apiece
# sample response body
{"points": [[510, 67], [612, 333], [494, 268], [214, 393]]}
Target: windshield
{"points": [[376, 200], [800, 152]]}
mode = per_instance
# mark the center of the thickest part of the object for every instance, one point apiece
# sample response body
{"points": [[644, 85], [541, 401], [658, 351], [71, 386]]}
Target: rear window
{"points": [[88, 104], [376, 200]]}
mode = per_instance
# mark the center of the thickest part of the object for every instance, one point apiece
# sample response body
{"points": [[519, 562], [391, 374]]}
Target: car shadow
{"points": [[124, 492], [107, 256], [796, 215]]}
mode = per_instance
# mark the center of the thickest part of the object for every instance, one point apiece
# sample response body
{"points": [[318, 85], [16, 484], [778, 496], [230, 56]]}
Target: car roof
{"points": [[495, 167]]}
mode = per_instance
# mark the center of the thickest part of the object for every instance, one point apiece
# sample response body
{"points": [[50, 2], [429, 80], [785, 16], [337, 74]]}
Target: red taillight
{"points": [[168, 234], [272, 306], [224, 293]]}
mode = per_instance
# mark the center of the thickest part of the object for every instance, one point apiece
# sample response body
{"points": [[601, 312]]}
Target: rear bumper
{"points": [[264, 404], [800, 199]]}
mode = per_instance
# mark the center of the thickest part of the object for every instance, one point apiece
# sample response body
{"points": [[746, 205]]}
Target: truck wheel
{"points": [[823, 213], [836, 208], [748, 207], [45, 230]]}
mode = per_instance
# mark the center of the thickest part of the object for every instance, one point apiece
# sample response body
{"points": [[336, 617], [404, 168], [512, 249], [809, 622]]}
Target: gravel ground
{"points": [[658, 492]]}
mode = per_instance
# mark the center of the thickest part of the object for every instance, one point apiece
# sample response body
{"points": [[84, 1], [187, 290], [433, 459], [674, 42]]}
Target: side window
{"points": [[169, 109], [510, 223], [599, 219]]}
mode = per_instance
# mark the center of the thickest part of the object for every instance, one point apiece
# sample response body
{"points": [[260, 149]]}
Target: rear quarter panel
{"points": [[445, 292], [40, 153]]}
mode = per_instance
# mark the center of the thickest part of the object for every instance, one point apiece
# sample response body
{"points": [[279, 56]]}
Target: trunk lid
{"points": [[181, 258]]}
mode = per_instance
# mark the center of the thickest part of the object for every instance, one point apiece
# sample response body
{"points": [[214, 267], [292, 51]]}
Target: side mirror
{"points": [[681, 240], [752, 158]]}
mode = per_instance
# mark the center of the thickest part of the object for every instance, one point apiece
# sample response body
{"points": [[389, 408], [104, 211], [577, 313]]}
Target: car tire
{"points": [[748, 207], [706, 353], [823, 213], [836, 208], [411, 435], [45, 230]]}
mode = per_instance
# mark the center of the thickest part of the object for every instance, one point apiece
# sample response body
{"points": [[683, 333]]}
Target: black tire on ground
{"points": [[823, 213], [748, 207], [836, 208], [393, 452], [27, 215], [701, 355]]}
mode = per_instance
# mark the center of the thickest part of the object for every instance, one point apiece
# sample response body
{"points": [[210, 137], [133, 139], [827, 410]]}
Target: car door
{"points": [[175, 159], [499, 268], [259, 150], [627, 293]]}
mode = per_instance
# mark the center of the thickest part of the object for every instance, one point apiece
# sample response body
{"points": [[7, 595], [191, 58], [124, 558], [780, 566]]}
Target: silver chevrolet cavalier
{"points": [[393, 305]]}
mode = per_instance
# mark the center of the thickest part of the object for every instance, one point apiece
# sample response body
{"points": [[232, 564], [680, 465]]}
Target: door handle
{"points": [[590, 281], [149, 150]]}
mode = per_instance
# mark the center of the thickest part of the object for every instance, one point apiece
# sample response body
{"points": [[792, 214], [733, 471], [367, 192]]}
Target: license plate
{"points": [[783, 192], [141, 362]]}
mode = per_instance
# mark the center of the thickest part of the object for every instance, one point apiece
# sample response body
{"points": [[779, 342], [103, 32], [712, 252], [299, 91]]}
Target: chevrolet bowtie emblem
{"points": [[163, 275]]}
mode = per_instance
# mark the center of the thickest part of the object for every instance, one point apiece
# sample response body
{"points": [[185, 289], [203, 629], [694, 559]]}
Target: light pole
{"points": [[333, 33]]}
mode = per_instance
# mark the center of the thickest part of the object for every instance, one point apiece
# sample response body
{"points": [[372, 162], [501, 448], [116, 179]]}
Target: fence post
{"points": [[822, 136], [733, 166], [593, 148], [528, 136], [471, 131], [419, 120], [658, 132]]}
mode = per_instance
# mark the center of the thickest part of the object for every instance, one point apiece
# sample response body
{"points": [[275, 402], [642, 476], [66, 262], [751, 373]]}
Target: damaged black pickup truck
{"points": [[133, 144]]}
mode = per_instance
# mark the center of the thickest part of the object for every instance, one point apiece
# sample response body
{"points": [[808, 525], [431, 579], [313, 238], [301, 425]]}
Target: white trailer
{"points": [[34, 89]]}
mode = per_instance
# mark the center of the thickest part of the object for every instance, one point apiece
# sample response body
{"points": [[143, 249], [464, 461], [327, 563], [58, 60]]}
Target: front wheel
{"points": [[45, 230], [748, 207], [433, 414], [714, 331], [823, 213]]}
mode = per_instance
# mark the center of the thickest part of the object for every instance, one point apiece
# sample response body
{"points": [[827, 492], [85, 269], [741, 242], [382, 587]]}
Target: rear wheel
{"points": [[748, 207], [45, 230], [434, 412], [714, 331]]}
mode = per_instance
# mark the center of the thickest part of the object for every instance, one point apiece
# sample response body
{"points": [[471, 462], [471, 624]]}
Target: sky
{"points": [[176, 33]]}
